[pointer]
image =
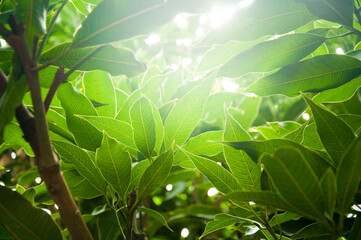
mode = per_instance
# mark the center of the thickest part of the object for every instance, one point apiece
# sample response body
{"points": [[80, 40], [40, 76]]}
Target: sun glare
{"points": [[229, 86]]}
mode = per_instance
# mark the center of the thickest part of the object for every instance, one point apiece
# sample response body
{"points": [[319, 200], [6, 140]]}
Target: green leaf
{"points": [[186, 114], [99, 87], [264, 198], [159, 129], [277, 129], [272, 54], [148, 90], [202, 144], [143, 124], [219, 55], [334, 133], [107, 225], [332, 10], [79, 186], [80, 7], [25, 222], [156, 215], [10, 100], [121, 97], [355, 232], [220, 178], [32, 13], [296, 135], [119, 130], [353, 120], [348, 175], [115, 164], [46, 76], [329, 190], [312, 230], [339, 94], [137, 172], [155, 175], [221, 220], [73, 102], [114, 60], [317, 74], [255, 149], [295, 181], [259, 19], [70, 153], [114, 20], [311, 138], [13, 136], [280, 218], [6, 59], [247, 172]]}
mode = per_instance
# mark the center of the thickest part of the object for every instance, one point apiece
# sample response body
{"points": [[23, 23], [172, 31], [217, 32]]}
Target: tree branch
{"points": [[36, 132]]}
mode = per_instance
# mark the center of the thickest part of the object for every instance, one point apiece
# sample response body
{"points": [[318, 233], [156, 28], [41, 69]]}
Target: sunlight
{"points": [[13, 155], [152, 39], [211, 192], [181, 21], [38, 180], [169, 187], [219, 15], [340, 51], [245, 3], [185, 232], [229, 86], [186, 62], [3, 43], [306, 116]]}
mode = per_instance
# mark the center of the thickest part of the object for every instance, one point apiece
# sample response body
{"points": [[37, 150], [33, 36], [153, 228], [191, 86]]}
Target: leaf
{"points": [[121, 131], [107, 226], [272, 54], [334, 133], [115, 164], [264, 198], [46, 76], [70, 153], [317, 74], [156, 215], [216, 174], [6, 59], [255, 149], [219, 55], [10, 100], [260, 19], [143, 125], [73, 102], [13, 136], [80, 7], [221, 220], [32, 13], [99, 87], [155, 175], [137, 172], [186, 114], [247, 172], [312, 230], [296, 135], [329, 191], [311, 138], [295, 181], [114, 20], [79, 186], [280, 218], [339, 94], [25, 222], [332, 10], [114, 60], [159, 129], [355, 232], [202, 144], [121, 97], [348, 175], [148, 90]]}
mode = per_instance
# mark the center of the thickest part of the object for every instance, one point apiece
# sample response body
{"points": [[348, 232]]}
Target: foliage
{"points": [[157, 104]]}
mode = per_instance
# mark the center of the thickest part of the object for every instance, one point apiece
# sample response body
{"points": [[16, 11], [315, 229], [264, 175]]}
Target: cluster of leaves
{"points": [[132, 119]]}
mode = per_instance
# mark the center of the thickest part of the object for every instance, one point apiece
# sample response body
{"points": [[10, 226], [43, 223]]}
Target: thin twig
{"points": [[58, 79], [35, 46], [82, 61], [50, 27]]}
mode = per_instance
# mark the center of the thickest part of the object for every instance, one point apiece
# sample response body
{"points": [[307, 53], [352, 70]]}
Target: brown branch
{"points": [[132, 206], [36, 132], [58, 79]]}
